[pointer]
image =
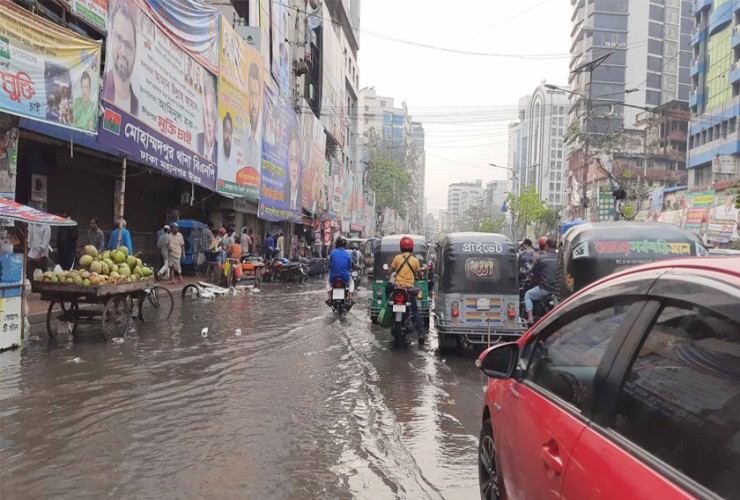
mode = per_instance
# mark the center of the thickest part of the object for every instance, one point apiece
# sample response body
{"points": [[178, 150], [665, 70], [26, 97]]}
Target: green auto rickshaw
{"points": [[385, 251]]}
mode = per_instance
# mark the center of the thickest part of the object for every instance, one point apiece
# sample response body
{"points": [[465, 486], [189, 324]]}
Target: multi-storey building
{"points": [[460, 197], [546, 153], [518, 144], [714, 143], [495, 195], [646, 52]]}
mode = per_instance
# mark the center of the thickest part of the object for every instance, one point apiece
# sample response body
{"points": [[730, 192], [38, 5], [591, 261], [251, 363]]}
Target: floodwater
{"points": [[297, 406]]}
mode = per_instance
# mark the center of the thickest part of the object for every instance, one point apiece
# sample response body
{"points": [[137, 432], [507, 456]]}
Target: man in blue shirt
{"points": [[268, 246], [125, 239], [340, 266]]}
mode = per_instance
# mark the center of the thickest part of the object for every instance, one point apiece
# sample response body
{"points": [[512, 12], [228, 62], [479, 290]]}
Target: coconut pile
{"points": [[108, 268]]}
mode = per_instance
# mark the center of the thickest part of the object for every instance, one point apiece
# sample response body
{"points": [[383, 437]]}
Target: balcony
{"points": [[735, 73], [736, 36], [697, 36], [695, 98], [696, 67], [700, 5]]}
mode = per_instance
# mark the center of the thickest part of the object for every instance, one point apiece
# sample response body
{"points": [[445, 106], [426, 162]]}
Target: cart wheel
{"points": [[62, 319], [191, 290], [157, 305], [116, 316]]}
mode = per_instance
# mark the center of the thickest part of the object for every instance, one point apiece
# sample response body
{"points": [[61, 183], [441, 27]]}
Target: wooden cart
{"points": [[112, 304]]}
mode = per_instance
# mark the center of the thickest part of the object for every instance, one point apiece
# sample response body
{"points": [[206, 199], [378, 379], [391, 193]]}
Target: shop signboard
{"points": [[159, 101], [94, 12], [240, 89], [47, 73], [280, 192]]}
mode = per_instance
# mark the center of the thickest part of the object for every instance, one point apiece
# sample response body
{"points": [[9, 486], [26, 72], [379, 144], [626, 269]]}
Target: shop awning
{"points": [[15, 211], [68, 135]]}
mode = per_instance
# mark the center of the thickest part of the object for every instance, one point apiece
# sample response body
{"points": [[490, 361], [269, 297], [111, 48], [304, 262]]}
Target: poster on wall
{"points": [[94, 12], [8, 155], [239, 136], [314, 147], [699, 207], [280, 193], [724, 220], [48, 73], [38, 188], [159, 103]]}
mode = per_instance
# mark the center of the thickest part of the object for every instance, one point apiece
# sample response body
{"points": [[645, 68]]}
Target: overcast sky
{"points": [[464, 101]]}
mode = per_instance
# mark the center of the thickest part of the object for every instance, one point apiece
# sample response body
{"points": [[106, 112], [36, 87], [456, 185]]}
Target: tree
{"points": [[390, 182], [493, 225], [547, 222], [525, 209]]}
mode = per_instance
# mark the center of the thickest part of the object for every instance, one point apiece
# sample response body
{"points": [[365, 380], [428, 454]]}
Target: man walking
{"points": [[164, 271], [67, 244], [39, 236], [176, 247]]}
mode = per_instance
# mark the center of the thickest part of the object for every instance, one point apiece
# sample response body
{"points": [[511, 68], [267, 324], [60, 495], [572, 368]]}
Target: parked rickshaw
{"points": [[385, 251], [592, 251], [370, 245], [476, 290]]}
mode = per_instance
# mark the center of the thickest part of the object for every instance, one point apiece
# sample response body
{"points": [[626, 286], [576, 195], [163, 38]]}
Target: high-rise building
{"points": [[460, 197], [518, 143], [546, 154], [714, 143], [495, 194]]}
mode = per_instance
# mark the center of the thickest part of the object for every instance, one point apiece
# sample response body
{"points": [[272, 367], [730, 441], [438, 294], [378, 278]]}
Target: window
{"points": [[656, 14], [560, 121], [654, 63], [655, 30], [554, 120], [562, 110], [565, 362], [552, 186], [655, 47], [560, 154], [553, 143], [382, 104], [652, 97], [680, 398]]}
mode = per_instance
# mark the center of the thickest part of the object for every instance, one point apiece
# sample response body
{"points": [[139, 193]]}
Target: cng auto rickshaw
{"points": [[385, 251], [476, 290], [592, 251]]}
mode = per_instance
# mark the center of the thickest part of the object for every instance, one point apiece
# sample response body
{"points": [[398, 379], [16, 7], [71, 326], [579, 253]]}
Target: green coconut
{"points": [[131, 261], [90, 250], [147, 272], [96, 267], [118, 257], [123, 250], [86, 260]]}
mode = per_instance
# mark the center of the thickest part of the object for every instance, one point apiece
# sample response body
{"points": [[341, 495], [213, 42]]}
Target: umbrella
{"points": [[10, 210]]}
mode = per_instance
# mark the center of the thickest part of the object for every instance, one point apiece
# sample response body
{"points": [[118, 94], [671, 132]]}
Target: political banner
{"points": [[697, 214], [280, 193], [94, 12], [724, 220], [47, 73], [333, 87], [159, 103], [192, 24], [281, 50], [347, 200], [240, 89], [314, 147]]}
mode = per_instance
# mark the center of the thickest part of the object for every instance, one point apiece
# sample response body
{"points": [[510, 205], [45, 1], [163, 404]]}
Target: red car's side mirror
{"points": [[499, 361]]}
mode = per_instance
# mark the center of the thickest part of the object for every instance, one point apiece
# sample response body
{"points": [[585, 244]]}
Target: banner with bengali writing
{"points": [[280, 193], [47, 73], [240, 90], [95, 12], [159, 103], [314, 160]]}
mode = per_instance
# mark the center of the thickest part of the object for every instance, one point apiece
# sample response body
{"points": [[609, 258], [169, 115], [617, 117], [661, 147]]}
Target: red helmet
{"points": [[407, 244], [542, 242]]}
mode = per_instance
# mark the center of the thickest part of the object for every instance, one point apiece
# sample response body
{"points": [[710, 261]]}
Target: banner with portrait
{"points": [[314, 148], [240, 89], [724, 220], [280, 193], [192, 24], [699, 207], [159, 103], [47, 73]]}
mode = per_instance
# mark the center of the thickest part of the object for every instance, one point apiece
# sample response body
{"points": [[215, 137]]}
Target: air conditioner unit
{"points": [[608, 44], [622, 44]]}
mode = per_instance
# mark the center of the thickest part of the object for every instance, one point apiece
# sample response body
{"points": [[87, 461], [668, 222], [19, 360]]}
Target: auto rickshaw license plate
{"points": [[337, 294], [483, 304]]}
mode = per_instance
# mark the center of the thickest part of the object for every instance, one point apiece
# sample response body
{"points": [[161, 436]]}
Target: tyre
{"points": [[191, 290], [398, 335], [489, 475], [373, 319]]}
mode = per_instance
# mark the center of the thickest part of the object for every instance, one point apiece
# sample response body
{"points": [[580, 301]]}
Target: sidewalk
{"points": [[37, 308]]}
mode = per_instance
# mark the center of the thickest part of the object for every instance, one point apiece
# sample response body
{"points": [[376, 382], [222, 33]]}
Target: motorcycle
{"points": [[403, 323], [340, 302], [541, 307], [278, 270]]}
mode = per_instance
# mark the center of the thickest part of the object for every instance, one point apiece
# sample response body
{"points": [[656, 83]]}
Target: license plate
{"points": [[337, 294], [399, 308], [354, 274], [483, 304]]}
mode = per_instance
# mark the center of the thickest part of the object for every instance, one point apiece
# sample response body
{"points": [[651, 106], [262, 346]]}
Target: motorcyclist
{"points": [[358, 260], [340, 267], [544, 269], [407, 268], [527, 256]]}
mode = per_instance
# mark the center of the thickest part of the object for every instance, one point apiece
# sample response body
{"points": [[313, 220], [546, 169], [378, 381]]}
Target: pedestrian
{"points": [[113, 243], [235, 250], [280, 243], [252, 241], [317, 243], [164, 271], [176, 247], [67, 244], [268, 246], [204, 249], [95, 236], [39, 236], [246, 241]]}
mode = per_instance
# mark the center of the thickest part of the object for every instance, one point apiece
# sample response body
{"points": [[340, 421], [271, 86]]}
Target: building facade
{"points": [[460, 197], [517, 162], [495, 195], [546, 151], [714, 142]]}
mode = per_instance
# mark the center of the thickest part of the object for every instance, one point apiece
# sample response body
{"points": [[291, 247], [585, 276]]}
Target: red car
{"points": [[629, 389]]}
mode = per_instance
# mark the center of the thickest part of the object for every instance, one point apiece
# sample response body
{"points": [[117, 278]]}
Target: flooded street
{"points": [[296, 406]]}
